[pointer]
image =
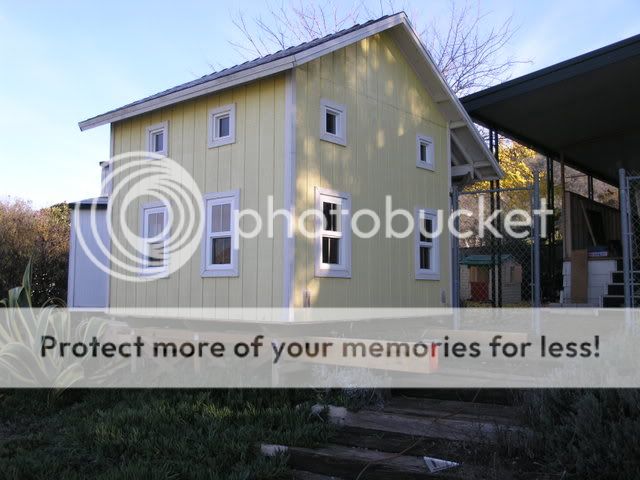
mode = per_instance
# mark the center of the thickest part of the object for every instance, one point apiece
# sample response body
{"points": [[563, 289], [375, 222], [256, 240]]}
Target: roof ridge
{"points": [[251, 63]]}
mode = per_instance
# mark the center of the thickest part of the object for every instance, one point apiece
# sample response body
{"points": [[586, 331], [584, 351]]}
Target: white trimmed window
{"points": [[333, 122], [222, 125], [155, 231], [425, 152], [333, 234], [220, 251], [158, 138], [427, 245]]}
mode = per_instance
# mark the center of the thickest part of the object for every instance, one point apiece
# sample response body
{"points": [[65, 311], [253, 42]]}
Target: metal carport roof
{"points": [[586, 109]]}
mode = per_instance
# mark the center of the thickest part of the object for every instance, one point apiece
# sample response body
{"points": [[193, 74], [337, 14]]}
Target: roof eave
{"points": [[447, 101], [453, 110], [244, 76]]}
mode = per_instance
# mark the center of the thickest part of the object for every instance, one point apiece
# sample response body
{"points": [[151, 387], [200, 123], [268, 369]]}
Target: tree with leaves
{"points": [[41, 236]]}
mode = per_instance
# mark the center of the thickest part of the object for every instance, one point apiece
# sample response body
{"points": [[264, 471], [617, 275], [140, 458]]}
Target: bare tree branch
{"points": [[469, 52]]}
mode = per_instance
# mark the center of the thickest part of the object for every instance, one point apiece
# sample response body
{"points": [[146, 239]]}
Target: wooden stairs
{"points": [[614, 298], [391, 442]]}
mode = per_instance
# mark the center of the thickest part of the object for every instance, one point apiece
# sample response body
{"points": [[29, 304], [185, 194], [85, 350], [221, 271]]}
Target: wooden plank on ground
{"points": [[411, 425], [303, 475], [398, 443], [349, 462], [427, 407]]}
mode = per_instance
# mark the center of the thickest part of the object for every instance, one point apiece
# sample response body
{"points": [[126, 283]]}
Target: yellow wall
{"points": [[386, 108], [253, 164]]}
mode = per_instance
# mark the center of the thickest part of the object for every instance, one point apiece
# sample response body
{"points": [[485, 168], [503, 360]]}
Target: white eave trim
{"points": [[445, 95], [460, 119], [245, 76]]}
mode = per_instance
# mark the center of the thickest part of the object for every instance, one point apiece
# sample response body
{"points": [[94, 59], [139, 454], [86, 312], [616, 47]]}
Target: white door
{"points": [[88, 284]]}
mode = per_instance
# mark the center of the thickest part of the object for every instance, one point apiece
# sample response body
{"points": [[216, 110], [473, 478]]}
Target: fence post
{"points": [[455, 252], [536, 240], [625, 229]]}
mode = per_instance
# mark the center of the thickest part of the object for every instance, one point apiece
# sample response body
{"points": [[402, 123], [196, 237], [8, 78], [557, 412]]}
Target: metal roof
{"points": [[468, 147], [484, 260], [585, 109], [245, 66], [99, 203], [242, 67]]}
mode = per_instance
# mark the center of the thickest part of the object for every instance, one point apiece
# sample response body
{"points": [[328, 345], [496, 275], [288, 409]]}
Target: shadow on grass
{"points": [[152, 433]]}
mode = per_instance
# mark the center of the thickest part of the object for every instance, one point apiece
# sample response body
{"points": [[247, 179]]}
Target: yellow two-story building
{"points": [[344, 124]]}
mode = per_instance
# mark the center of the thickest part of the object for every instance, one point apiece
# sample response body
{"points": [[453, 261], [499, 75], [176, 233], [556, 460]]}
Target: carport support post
{"points": [[625, 231], [536, 240], [550, 226], [566, 248], [496, 147], [455, 252], [492, 242]]}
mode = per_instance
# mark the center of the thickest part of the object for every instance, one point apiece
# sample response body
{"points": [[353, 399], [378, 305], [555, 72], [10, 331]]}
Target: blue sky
{"points": [[64, 61]]}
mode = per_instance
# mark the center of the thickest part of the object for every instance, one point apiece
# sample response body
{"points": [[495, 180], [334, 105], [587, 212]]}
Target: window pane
{"points": [[223, 126], [221, 251], [155, 254], [425, 258], [331, 123], [330, 213], [155, 224], [427, 227], [331, 250], [158, 141], [221, 218], [423, 152]]}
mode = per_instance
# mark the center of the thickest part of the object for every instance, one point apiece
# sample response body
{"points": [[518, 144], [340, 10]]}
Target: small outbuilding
{"points": [[476, 276]]}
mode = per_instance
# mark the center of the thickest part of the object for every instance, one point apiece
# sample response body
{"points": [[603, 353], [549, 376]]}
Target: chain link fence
{"points": [[630, 229], [497, 257]]}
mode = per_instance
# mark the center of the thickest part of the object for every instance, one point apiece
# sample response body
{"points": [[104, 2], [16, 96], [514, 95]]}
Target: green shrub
{"points": [[21, 331], [587, 433], [41, 236]]}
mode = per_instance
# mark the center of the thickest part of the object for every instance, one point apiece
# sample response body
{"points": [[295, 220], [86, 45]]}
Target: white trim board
{"points": [[71, 272], [244, 76], [290, 135], [408, 43]]}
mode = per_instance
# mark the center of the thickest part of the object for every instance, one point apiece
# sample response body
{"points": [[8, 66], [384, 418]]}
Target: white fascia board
{"points": [[473, 155], [461, 170], [434, 82], [245, 76], [437, 86], [235, 79]]}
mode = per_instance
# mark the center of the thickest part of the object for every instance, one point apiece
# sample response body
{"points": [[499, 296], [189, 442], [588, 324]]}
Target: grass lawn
{"points": [[153, 434]]}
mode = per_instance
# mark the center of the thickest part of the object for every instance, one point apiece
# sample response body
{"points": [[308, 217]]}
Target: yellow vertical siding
{"points": [[387, 107], [253, 164]]}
